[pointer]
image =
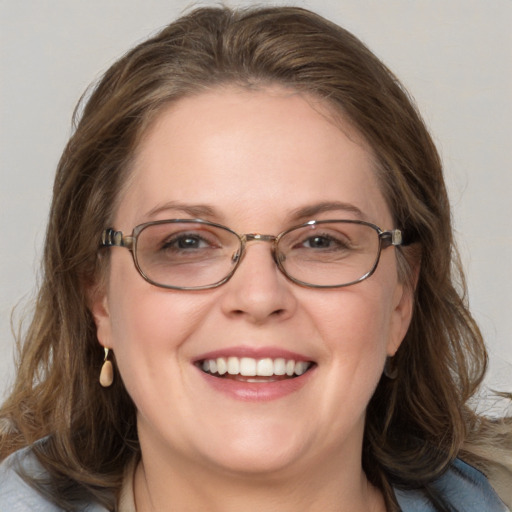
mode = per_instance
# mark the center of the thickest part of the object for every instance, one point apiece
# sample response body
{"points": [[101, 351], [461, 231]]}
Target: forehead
{"points": [[250, 154]]}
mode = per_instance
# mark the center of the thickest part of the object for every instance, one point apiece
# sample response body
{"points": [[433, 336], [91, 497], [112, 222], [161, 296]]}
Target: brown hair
{"points": [[416, 423]]}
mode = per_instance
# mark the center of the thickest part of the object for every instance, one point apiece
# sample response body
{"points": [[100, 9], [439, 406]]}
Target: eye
{"points": [[320, 242], [187, 241], [323, 242]]}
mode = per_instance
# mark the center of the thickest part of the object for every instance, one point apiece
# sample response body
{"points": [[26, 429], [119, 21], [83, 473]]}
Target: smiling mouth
{"points": [[248, 369]]}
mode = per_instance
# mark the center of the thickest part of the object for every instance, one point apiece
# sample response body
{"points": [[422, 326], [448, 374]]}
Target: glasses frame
{"points": [[112, 238]]}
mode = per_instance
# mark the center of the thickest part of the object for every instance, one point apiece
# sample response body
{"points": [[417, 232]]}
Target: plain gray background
{"points": [[454, 56]]}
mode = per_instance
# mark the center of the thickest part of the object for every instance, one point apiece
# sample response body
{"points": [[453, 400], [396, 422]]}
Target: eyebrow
{"points": [[311, 211], [194, 210]]}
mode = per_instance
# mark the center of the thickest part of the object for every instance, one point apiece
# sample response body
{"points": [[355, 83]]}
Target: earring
{"points": [[390, 369], [107, 371]]}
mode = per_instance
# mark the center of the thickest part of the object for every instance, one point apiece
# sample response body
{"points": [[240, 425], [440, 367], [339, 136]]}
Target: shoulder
{"points": [[16, 495], [461, 488]]}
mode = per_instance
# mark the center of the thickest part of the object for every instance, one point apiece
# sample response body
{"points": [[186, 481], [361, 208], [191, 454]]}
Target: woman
{"points": [[284, 331]]}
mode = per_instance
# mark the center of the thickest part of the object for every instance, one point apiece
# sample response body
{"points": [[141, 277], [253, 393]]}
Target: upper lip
{"points": [[253, 352]]}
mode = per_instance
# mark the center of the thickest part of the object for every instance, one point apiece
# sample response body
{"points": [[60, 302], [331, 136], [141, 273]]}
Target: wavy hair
{"points": [[416, 423]]}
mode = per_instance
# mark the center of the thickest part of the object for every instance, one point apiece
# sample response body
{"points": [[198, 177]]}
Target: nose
{"points": [[258, 291]]}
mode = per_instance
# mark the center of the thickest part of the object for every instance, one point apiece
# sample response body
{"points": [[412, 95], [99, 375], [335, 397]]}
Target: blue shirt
{"points": [[463, 487]]}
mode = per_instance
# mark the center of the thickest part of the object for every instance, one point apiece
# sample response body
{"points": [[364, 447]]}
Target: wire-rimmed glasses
{"points": [[195, 254]]}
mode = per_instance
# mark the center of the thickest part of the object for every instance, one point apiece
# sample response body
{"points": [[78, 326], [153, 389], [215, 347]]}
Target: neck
{"points": [[324, 489]]}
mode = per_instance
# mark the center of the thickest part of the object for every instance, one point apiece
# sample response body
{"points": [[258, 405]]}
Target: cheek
{"points": [[154, 320], [355, 326], [356, 320], [149, 324]]}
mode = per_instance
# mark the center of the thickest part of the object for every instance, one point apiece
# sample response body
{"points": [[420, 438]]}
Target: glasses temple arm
{"points": [[112, 238], [393, 237]]}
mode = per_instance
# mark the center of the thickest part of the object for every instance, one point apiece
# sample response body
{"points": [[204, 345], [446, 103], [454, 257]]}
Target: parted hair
{"points": [[416, 423]]}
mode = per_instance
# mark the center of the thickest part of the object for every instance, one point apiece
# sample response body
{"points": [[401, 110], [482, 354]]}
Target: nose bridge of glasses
{"points": [[255, 237]]}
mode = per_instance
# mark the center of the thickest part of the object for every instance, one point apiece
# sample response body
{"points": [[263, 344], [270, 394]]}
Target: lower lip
{"points": [[257, 391]]}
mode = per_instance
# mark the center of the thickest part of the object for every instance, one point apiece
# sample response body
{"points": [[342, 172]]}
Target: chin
{"points": [[259, 449], [253, 463]]}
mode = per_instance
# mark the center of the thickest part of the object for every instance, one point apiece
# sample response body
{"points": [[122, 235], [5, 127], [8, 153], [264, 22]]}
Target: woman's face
{"points": [[257, 162]]}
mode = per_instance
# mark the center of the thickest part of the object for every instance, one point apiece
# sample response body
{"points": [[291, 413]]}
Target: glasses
{"points": [[197, 254]]}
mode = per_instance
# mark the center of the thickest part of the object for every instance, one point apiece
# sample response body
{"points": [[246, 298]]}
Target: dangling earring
{"points": [[390, 369], [107, 371]]}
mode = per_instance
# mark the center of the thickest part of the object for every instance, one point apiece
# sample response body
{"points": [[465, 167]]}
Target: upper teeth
{"points": [[247, 366]]}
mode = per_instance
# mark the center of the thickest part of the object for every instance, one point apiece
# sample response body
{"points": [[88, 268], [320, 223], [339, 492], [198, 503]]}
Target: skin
{"points": [[253, 158]]}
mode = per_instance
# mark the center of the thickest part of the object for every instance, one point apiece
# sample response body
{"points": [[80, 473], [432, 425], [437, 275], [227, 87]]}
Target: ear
{"points": [[98, 305], [403, 305], [404, 297]]}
